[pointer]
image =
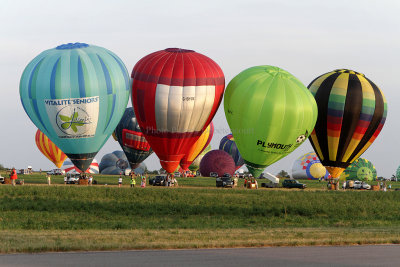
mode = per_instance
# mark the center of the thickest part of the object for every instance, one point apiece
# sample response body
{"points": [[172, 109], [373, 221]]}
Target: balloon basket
{"points": [[7, 181], [375, 187], [83, 182]]}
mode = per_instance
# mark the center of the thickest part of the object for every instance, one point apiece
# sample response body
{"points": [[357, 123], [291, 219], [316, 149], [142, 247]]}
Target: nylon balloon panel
{"points": [[351, 113]]}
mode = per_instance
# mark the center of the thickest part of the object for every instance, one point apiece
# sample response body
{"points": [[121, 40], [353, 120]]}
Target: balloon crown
{"points": [[348, 71], [72, 46], [178, 50]]}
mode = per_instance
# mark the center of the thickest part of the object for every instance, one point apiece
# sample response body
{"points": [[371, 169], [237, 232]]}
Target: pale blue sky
{"points": [[306, 38]]}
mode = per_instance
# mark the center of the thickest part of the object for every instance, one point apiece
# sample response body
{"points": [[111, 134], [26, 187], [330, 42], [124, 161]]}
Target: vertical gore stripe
{"points": [[35, 107], [53, 80], [123, 71], [106, 76], [322, 99], [31, 78], [351, 115], [112, 111], [81, 79]]}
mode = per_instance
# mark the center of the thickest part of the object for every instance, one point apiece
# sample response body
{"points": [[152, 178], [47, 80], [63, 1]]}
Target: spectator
{"points": [[65, 179], [120, 180], [13, 176], [90, 180], [48, 179]]}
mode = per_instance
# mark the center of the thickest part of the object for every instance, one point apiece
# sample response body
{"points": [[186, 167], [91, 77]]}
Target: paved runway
{"points": [[381, 255]]}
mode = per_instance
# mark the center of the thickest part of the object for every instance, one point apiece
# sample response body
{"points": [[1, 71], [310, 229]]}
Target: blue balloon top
{"points": [[72, 46]]}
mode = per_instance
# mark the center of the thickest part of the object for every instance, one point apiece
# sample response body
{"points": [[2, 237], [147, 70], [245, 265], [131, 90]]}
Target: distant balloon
{"points": [[69, 167], [217, 161], [351, 113], [131, 139], [309, 167], [116, 163], [228, 145], [175, 94], [198, 147], [76, 94], [270, 113], [361, 169], [49, 149], [196, 163]]}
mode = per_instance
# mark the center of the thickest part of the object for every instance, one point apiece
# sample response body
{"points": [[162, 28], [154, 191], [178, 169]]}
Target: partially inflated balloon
{"points": [[351, 113], [198, 147], [270, 113], [76, 95], [360, 169], [217, 161], [228, 145], [175, 94], [309, 167], [49, 149], [131, 139]]}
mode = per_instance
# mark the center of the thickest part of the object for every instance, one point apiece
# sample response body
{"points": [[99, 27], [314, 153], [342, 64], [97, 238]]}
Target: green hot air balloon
{"points": [[361, 169], [270, 113]]}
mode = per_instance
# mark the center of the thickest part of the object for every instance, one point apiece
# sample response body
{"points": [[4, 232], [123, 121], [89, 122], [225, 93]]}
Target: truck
{"points": [[361, 185], [273, 180]]}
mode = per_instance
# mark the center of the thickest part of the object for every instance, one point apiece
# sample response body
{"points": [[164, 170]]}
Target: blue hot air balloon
{"points": [[131, 139], [228, 145], [76, 94]]}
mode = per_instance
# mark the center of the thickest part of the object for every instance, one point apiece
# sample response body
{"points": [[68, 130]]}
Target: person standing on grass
{"points": [[120, 181], [143, 183], [344, 185], [133, 181], [90, 180], [13, 176], [48, 179], [65, 179]]}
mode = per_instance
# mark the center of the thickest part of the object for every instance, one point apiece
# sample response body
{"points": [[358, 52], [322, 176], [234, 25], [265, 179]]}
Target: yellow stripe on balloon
{"points": [[199, 145], [317, 146]]}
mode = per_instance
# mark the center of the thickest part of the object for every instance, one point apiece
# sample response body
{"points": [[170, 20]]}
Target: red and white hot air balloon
{"points": [[175, 94]]}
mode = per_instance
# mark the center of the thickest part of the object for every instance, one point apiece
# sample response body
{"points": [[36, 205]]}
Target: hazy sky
{"points": [[306, 38]]}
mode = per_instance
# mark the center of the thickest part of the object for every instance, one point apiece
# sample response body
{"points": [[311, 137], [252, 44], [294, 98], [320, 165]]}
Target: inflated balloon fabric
{"points": [[217, 161]]}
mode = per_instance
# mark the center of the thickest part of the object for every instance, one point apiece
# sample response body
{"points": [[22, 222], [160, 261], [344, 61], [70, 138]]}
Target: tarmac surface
{"points": [[379, 255]]}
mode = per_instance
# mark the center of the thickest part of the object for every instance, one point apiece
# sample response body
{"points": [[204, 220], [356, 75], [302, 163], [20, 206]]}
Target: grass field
{"points": [[60, 218]]}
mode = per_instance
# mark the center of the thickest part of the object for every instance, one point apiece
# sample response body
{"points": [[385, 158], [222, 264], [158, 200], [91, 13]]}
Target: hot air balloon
{"points": [[116, 163], [69, 167], [351, 113], [49, 149], [309, 167], [175, 94], [76, 95], [196, 163], [131, 139], [361, 169], [228, 145], [217, 161], [270, 113], [198, 147]]}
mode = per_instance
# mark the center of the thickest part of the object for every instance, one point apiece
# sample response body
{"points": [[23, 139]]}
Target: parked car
{"points": [[361, 185], [213, 174], [159, 180], [225, 181], [293, 184], [56, 172], [73, 178]]}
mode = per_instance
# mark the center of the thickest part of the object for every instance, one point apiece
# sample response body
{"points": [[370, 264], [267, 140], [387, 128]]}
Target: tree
{"points": [[283, 174]]}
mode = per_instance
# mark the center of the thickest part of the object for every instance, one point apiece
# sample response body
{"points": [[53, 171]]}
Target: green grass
{"points": [[78, 207]]}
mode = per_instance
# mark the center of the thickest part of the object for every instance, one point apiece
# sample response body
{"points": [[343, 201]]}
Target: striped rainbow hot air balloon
{"points": [[49, 149], [198, 147], [351, 113]]}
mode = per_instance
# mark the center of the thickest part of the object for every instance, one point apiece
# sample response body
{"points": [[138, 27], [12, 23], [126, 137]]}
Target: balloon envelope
{"points": [[175, 94], [361, 169], [69, 167], [49, 149], [217, 161], [309, 167], [198, 147], [270, 113], [131, 139], [116, 163], [228, 145], [196, 163], [351, 113], [76, 94]]}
